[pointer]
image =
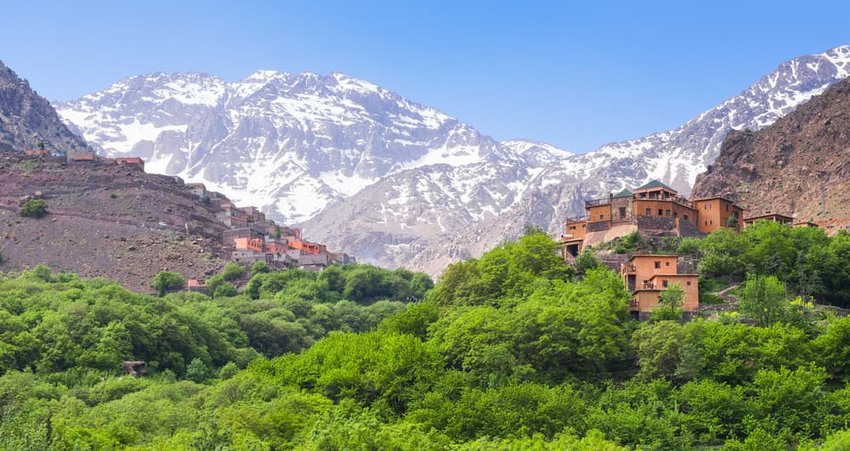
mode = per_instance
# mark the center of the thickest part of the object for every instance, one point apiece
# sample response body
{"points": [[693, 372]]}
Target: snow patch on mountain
{"points": [[392, 181]]}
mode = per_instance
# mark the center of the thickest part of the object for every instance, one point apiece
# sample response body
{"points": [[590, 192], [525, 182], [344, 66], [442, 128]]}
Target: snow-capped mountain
{"points": [[287, 143], [392, 181]]}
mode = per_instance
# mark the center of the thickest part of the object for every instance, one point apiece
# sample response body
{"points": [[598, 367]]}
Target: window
{"points": [[667, 212], [602, 216], [689, 283], [660, 212], [727, 207], [649, 212], [686, 217], [664, 283], [657, 264], [666, 263], [622, 212]]}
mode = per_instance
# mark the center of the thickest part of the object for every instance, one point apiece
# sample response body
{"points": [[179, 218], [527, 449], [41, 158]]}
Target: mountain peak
{"points": [[401, 183], [27, 119]]}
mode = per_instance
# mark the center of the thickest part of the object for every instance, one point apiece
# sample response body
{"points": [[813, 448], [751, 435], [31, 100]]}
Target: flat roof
{"points": [[715, 197], [769, 215], [652, 255]]}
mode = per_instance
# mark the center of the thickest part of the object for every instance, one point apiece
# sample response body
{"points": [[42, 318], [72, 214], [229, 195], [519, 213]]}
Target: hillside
{"points": [[401, 184], [27, 119], [105, 221], [799, 166]]}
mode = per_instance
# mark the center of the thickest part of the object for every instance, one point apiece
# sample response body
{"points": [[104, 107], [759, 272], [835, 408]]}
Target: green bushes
{"points": [[508, 352], [34, 208], [166, 281]]}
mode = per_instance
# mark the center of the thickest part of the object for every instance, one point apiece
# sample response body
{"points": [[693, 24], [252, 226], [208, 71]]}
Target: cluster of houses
{"points": [[656, 209], [250, 237]]}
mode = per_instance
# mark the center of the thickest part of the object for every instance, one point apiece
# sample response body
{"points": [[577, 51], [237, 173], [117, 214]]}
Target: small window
{"points": [[649, 212], [602, 216], [664, 283], [689, 283], [660, 212], [727, 207], [686, 217], [657, 264], [666, 263], [667, 212]]}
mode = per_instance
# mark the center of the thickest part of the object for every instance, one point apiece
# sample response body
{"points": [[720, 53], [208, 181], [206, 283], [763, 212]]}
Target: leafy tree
{"points": [[225, 290], [166, 281], [34, 208], [197, 371], [232, 271], [259, 267], [587, 261], [763, 299], [670, 302]]}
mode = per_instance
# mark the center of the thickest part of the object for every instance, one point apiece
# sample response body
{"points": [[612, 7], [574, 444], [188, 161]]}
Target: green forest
{"points": [[510, 351]]}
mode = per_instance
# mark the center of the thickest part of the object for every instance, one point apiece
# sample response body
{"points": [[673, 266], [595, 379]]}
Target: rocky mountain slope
{"points": [[27, 119], [105, 221], [392, 181], [799, 166]]}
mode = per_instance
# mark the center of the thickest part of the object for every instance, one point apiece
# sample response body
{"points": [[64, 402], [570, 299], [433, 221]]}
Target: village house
{"points": [[80, 157], [305, 246], [131, 162], [37, 153], [198, 189], [646, 276], [314, 262], [654, 208], [197, 286], [249, 244], [768, 216]]}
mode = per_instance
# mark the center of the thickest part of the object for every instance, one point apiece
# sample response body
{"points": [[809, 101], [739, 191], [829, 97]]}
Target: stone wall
{"points": [[621, 202], [656, 223], [600, 226]]}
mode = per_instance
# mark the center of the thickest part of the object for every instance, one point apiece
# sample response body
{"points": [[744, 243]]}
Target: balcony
{"points": [[647, 286], [634, 305], [597, 202], [629, 268]]}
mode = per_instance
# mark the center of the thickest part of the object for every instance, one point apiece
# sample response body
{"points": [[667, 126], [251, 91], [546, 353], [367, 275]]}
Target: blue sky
{"points": [[574, 74]]}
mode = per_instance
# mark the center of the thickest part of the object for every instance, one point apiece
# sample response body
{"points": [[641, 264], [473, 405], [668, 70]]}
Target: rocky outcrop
{"points": [[27, 119], [799, 166]]}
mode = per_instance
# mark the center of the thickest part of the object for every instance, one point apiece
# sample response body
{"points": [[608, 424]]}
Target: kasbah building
{"points": [[655, 209]]}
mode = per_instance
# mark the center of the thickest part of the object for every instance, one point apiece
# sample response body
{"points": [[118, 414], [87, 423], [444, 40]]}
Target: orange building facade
{"points": [[717, 212], [651, 207], [646, 276]]}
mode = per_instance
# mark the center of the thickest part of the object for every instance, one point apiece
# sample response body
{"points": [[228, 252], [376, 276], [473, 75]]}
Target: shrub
{"points": [[34, 208], [166, 281], [232, 271]]}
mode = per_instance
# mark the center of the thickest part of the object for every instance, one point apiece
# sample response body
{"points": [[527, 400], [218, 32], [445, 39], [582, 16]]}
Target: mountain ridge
{"points": [[306, 148], [28, 121]]}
